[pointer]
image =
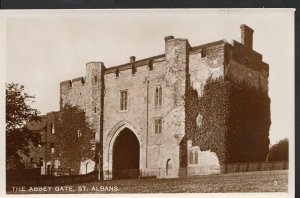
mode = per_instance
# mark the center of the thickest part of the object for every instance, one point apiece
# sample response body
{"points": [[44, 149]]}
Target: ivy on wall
{"points": [[213, 107], [235, 120], [249, 123]]}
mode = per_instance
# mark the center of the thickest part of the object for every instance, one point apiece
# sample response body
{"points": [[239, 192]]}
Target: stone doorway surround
{"points": [[109, 143]]}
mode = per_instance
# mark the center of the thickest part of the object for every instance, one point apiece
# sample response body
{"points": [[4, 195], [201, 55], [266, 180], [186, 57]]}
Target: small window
{"points": [[56, 163], [196, 157], [123, 100], [78, 133], [52, 128], [201, 89], [52, 148], [158, 96], [95, 110], [199, 120], [158, 125], [95, 79], [190, 157]]}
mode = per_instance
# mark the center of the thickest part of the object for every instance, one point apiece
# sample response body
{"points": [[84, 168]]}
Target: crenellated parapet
{"points": [[134, 65], [71, 92]]}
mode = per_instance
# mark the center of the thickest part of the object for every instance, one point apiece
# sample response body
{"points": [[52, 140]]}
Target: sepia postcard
{"points": [[165, 102]]}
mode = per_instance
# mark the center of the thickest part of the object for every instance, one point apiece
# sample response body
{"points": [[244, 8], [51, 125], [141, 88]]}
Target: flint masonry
{"points": [[138, 110]]}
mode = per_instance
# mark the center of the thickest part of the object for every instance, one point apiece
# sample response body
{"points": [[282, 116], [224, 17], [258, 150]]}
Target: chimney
{"points": [[132, 59], [247, 36]]}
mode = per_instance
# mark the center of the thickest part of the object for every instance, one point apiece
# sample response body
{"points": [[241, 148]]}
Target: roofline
{"points": [[146, 61], [135, 63]]}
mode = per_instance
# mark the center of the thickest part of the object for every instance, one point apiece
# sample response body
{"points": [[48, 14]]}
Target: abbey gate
{"points": [[143, 113]]}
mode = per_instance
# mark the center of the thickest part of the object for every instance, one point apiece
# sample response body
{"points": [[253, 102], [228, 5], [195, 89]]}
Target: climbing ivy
{"points": [[213, 106], [235, 120], [249, 123]]}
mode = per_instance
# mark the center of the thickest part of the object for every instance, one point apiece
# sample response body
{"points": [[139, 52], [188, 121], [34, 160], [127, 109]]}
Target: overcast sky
{"points": [[44, 48]]}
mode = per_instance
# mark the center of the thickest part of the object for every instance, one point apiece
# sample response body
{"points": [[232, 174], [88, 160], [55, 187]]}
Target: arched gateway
{"points": [[123, 153], [126, 155]]}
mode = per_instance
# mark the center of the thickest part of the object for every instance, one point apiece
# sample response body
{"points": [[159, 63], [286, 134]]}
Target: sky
{"points": [[43, 48]]}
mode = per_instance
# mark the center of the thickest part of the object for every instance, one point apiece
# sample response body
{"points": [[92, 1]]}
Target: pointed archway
{"points": [[126, 155]]}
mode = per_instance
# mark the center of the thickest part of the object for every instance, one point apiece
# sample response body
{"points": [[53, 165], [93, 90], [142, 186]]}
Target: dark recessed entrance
{"points": [[126, 155]]}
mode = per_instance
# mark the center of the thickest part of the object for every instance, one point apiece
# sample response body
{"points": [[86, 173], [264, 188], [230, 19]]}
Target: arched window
{"points": [[168, 166], [158, 96], [158, 125], [196, 157], [190, 157]]}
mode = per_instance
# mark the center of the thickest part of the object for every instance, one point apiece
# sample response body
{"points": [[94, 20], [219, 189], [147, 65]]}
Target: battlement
{"points": [[159, 58], [242, 52], [70, 83], [199, 48], [136, 63], [66, 83], [101, 64], [80, 79], [247, 57]]}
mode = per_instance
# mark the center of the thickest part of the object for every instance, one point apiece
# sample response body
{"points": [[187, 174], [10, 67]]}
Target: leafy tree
{"points": [[74, 137], [279, 151], [18, 113]]}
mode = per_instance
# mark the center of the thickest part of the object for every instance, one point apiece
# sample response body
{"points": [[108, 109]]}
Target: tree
{"points": [[18, 113], [75, 138], [279, 151]]}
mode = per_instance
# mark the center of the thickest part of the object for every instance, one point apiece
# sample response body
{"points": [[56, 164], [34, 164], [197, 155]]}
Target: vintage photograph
{"points": [[149, 101]]}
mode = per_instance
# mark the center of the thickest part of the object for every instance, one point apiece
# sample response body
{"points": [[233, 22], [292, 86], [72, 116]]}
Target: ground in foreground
{"points": [[256, 182]]}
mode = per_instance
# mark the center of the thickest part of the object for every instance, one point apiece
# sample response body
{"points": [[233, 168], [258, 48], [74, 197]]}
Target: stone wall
{"points": [[177, 61], [238, 83], [246, 66], [205, 125], [73, 92], [50, 137], [86, 93], [94, 95], [168, 72], [183, 73], [204, 63]]}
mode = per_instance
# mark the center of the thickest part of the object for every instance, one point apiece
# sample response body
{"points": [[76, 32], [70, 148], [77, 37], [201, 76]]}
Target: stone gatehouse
{"points": [[139, 110]]}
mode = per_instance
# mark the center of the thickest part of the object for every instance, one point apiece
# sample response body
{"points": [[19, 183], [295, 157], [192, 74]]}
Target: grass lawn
{"points": [[200, 184]]}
